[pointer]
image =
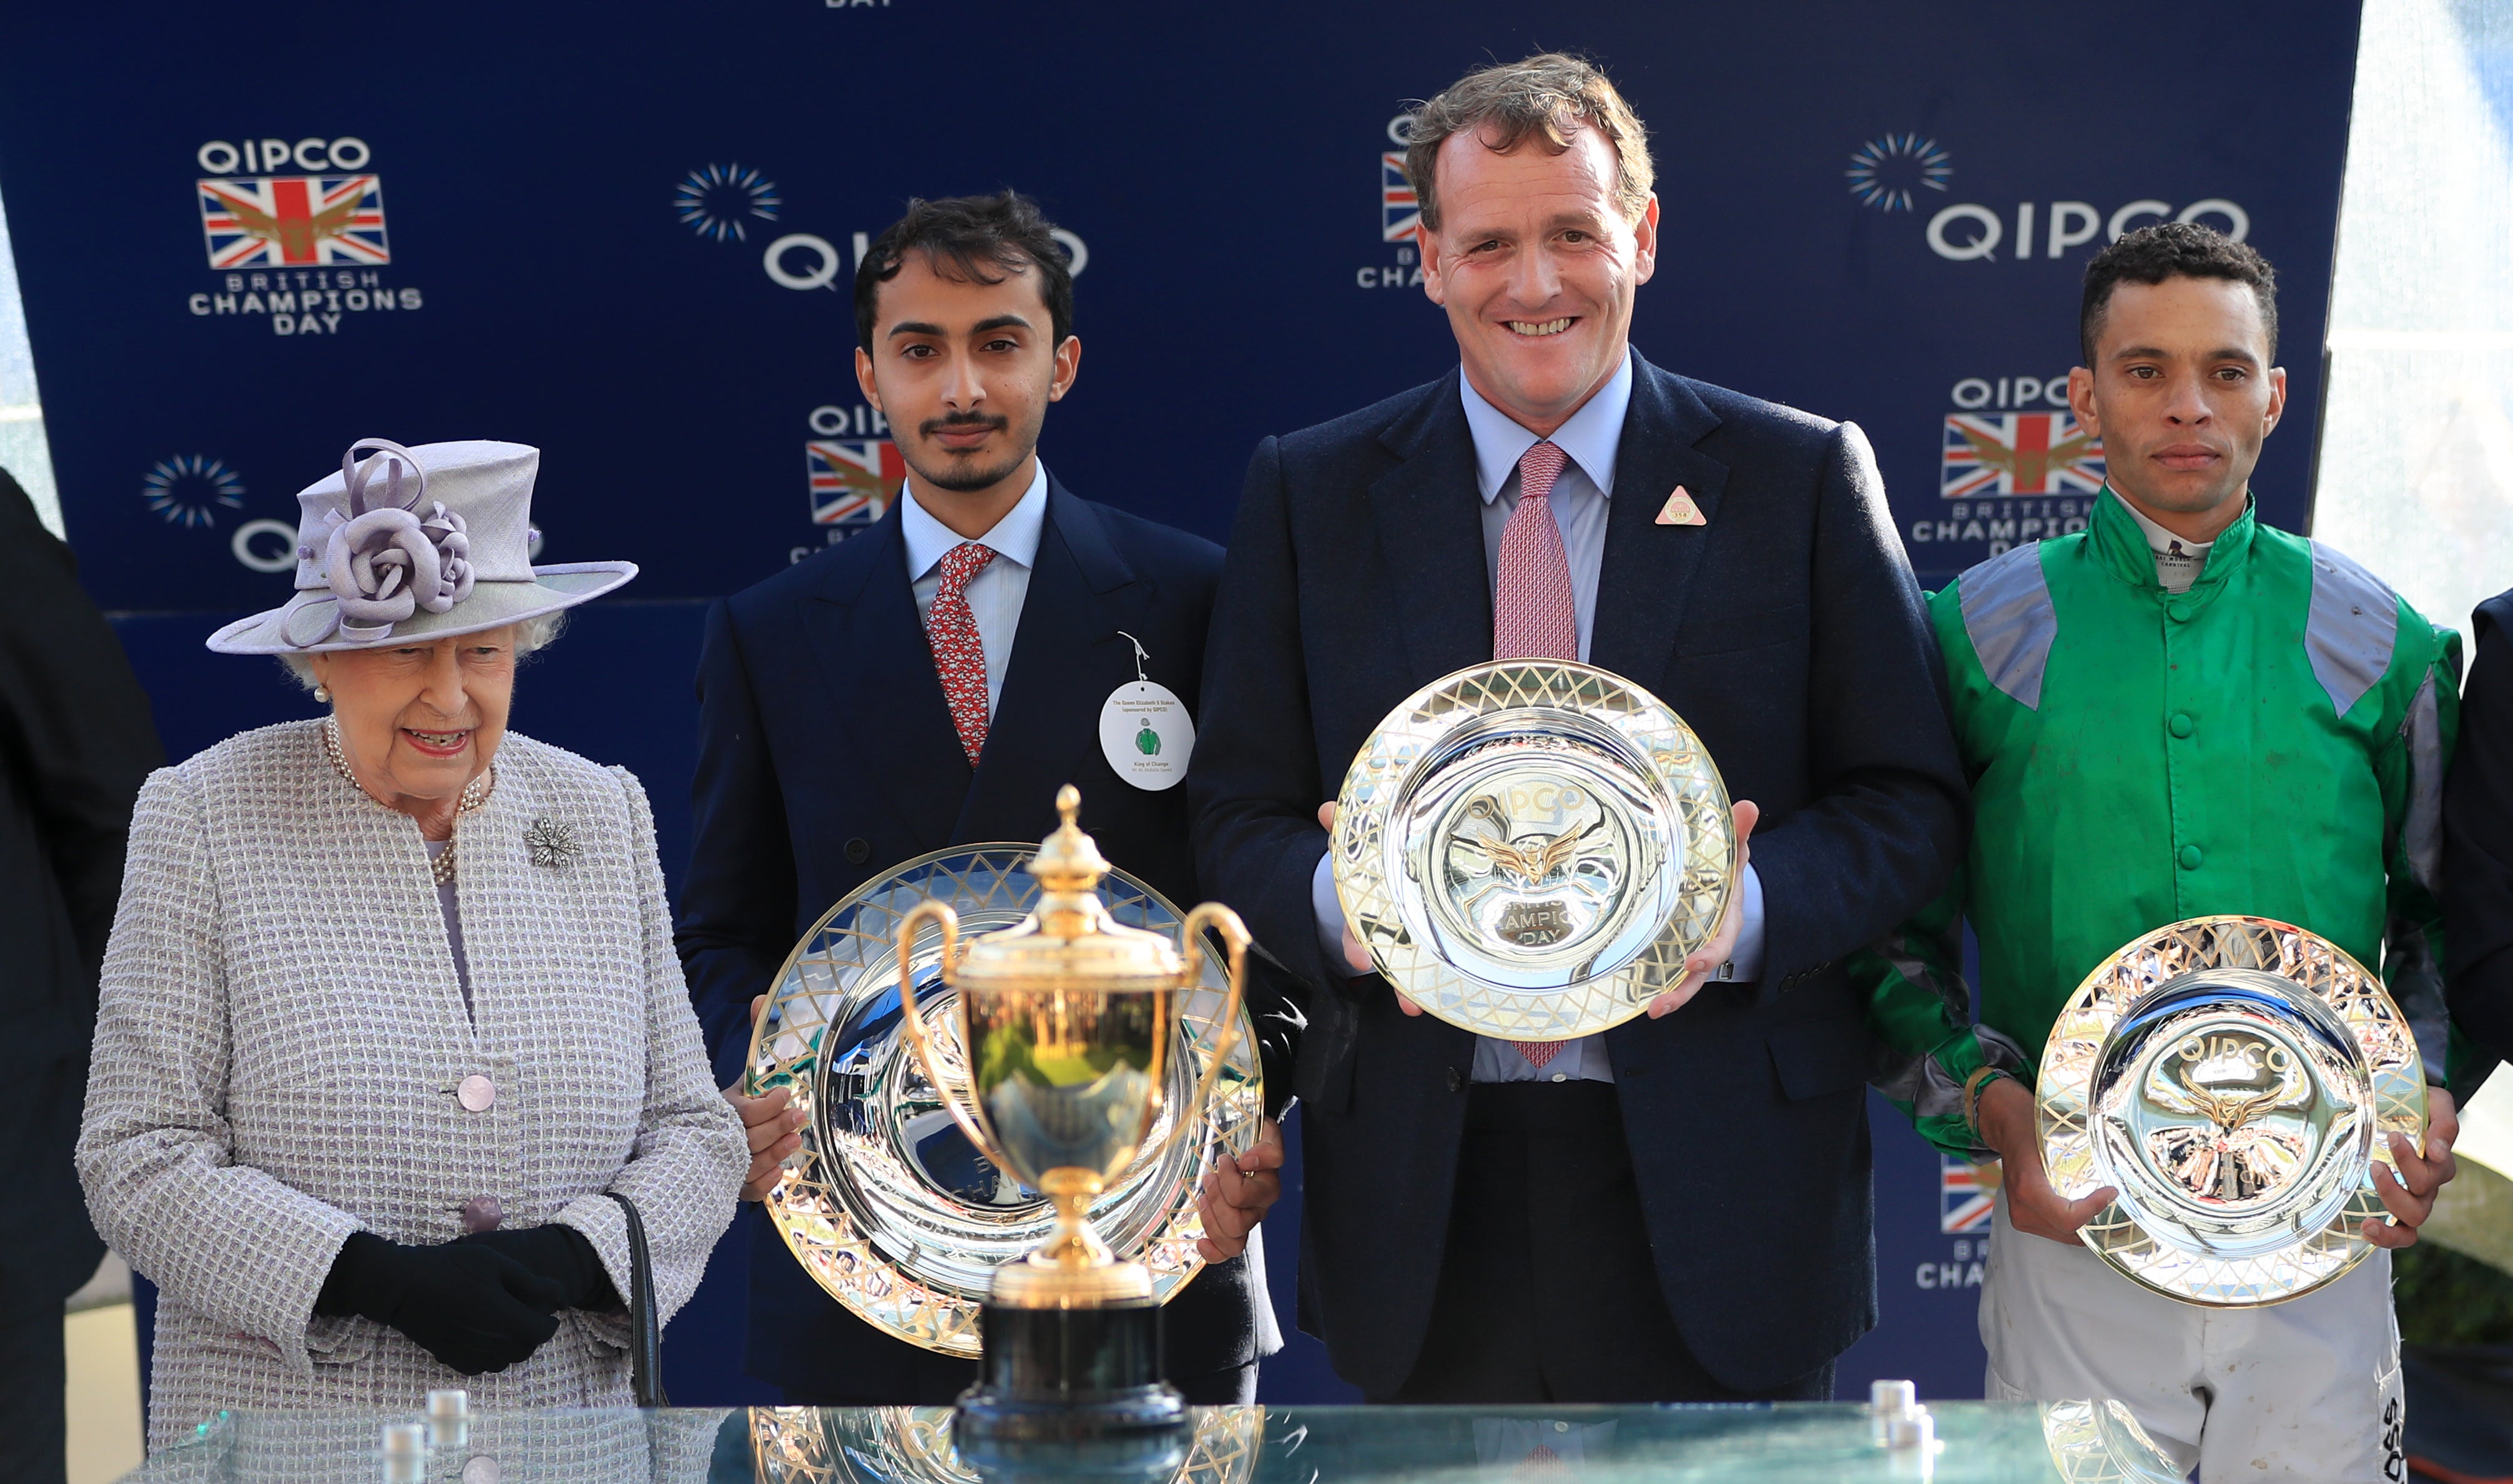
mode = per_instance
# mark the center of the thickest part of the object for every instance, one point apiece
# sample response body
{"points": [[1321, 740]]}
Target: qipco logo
{"points": [[1966, 232], [250, 157], [807, 260]]}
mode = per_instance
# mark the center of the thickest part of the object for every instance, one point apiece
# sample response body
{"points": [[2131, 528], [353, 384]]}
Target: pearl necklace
{"points": [[474, 794]]}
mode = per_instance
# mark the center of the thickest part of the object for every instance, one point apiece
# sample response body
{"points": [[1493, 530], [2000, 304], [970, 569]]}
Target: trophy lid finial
{"points": [[1067, 860]]}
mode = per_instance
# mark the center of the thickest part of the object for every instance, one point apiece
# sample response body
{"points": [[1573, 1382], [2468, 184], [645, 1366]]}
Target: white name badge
{"points": [[1147, 734]]}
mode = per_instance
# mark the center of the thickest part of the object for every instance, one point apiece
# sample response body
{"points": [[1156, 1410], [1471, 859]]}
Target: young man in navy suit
{"points": [[1677, 1209], [931, 683]]}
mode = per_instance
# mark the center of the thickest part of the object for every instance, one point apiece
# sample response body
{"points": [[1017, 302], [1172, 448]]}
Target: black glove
{"points": [[474, 1307], [559, 1253]]}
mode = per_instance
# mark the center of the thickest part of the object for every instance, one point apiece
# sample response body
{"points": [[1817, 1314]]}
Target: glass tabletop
{"points": [[2076, 1442]]}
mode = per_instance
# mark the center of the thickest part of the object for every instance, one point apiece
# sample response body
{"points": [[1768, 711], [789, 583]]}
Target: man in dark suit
{"points": [[76, 742], [1678, 1209], [931, 683]]}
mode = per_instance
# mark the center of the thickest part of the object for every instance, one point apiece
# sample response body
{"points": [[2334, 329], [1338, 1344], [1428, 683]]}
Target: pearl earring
{"points": [[323, 694]]}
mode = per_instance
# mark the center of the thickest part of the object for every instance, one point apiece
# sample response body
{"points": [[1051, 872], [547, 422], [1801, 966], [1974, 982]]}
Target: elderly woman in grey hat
{"points": [[391, 1010]]}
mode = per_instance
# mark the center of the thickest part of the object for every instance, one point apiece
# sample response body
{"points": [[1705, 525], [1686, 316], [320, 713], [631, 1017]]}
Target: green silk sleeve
{"points": [[1919, 1025]]}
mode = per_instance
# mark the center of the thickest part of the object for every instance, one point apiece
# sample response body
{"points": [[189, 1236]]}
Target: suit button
{"points": [[1457, 1080], [2180, 725], [477, 1093], [858, 850], [483, 1213], [2190, 858]]}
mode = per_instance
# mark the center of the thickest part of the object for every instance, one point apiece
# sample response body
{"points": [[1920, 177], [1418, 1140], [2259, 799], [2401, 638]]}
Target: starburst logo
{"points": [[1886, 172], [715, 201], [189, 490]]}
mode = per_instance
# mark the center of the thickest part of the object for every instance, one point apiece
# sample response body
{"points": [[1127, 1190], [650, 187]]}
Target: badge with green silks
{"points": [[1144, 729]]}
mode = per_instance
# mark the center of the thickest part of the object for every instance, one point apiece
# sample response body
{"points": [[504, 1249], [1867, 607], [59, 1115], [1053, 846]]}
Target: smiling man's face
{"points": [[1536, 266], [2182, 396]]}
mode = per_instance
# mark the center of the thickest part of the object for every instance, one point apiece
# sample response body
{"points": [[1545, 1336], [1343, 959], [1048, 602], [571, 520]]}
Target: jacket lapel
{"points": [[1048, 716], [1430, 530], [863, 625], [1646, 577]]}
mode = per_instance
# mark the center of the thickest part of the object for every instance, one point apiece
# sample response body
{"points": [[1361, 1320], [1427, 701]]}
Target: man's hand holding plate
{"points": [[1237, 1192], [1722, 947], [2410, 1194], [773, 1127], [2009, 1125]]}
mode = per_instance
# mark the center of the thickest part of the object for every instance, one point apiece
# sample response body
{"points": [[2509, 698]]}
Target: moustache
{"points": [[988, 420]]}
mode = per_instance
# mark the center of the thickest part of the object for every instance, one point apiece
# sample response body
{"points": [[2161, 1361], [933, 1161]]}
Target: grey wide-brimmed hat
{"points": [[417, 544]]}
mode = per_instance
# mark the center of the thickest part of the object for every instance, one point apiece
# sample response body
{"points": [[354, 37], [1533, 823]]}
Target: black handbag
{"points": [[645, 1332]]}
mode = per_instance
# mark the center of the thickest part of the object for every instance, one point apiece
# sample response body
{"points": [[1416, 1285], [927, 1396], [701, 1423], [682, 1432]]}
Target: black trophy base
{"points": [[1061, 1377]]}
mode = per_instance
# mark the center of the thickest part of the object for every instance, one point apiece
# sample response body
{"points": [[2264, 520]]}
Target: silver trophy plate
{"points": [[2235, 1079], [887, 1204], [1530, 848]]}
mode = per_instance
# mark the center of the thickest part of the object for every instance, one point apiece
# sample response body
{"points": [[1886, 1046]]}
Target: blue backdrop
{"points": [[625, 233]]}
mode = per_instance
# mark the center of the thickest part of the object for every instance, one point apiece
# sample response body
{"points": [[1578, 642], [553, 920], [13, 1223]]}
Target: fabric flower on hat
{"points": [[387, 563]]}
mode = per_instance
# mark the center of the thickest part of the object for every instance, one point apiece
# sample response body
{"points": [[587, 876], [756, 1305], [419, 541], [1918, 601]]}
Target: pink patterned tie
{"points": [[958, 654], [1532, 614], [1533, 617]]}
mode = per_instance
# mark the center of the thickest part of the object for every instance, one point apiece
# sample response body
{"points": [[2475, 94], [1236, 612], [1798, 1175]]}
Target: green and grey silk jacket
{"points": [[2271, 742]]}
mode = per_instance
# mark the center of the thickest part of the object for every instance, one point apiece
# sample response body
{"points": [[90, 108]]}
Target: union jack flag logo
{"points": [[275, 221], [854, 480], [1965, 1192], [1398, 211], [2018, 454]]}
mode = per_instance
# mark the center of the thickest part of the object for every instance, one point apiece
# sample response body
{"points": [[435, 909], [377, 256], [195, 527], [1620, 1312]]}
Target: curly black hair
{"points": [[2174, 250], [963, 237]]}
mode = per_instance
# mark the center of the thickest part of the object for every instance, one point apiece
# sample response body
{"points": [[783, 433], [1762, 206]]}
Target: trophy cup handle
{"points": [[1234, 938], [912, 1020]]}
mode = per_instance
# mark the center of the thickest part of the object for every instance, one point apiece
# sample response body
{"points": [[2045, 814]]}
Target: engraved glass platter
{"points": [[887, 1204], [2100, 1442], [913, 1445], [2235, 1079], [1529, 848]]}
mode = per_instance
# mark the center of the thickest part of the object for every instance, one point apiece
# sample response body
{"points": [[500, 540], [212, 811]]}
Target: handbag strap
{"points": [[645, 1332]]}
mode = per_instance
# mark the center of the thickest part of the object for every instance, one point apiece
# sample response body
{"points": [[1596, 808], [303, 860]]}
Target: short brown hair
{"points": [[1551, 93], [2174, 250]]}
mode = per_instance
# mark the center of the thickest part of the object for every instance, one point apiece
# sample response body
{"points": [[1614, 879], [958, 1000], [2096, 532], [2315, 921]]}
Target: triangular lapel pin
{"points": [[1680, 510]]}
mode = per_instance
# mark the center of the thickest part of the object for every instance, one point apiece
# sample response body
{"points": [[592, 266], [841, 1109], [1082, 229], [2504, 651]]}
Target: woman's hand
{"points": [[471, 1307], [561, 1254]]}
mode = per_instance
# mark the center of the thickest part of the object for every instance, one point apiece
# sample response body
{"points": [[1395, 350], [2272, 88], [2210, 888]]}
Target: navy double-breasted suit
{"points": [[1788, 632], [828, 756]]}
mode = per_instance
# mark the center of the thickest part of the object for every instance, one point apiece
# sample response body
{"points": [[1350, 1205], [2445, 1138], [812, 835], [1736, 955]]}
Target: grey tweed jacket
{"points": [[281, 1034]]}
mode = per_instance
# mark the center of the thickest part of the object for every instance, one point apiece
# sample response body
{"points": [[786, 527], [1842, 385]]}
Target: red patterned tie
{"points": [[958, 654], [1532, 614]]}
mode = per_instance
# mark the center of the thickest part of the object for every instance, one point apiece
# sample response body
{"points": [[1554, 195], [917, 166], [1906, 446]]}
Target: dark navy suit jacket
{"points": [[827, 756], [1788, 630]]}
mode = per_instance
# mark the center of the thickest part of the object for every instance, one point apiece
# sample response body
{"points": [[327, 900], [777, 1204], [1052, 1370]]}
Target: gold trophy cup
{"points": [[1068, 1019]]}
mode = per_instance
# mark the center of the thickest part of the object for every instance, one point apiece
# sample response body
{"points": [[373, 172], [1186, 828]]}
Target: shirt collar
{"points": [[1591, 437], [2160, 540], [2119, 542], [1014, 538]]}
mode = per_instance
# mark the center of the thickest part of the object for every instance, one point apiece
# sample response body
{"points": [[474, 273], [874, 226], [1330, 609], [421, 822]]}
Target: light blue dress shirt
{"points": [[996, 592], [1580, 501]]}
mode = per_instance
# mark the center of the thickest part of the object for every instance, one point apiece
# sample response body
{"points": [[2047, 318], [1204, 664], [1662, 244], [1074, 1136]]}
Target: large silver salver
{"points": [[2235, 1079], [888, 1205], [1530, 848]]}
